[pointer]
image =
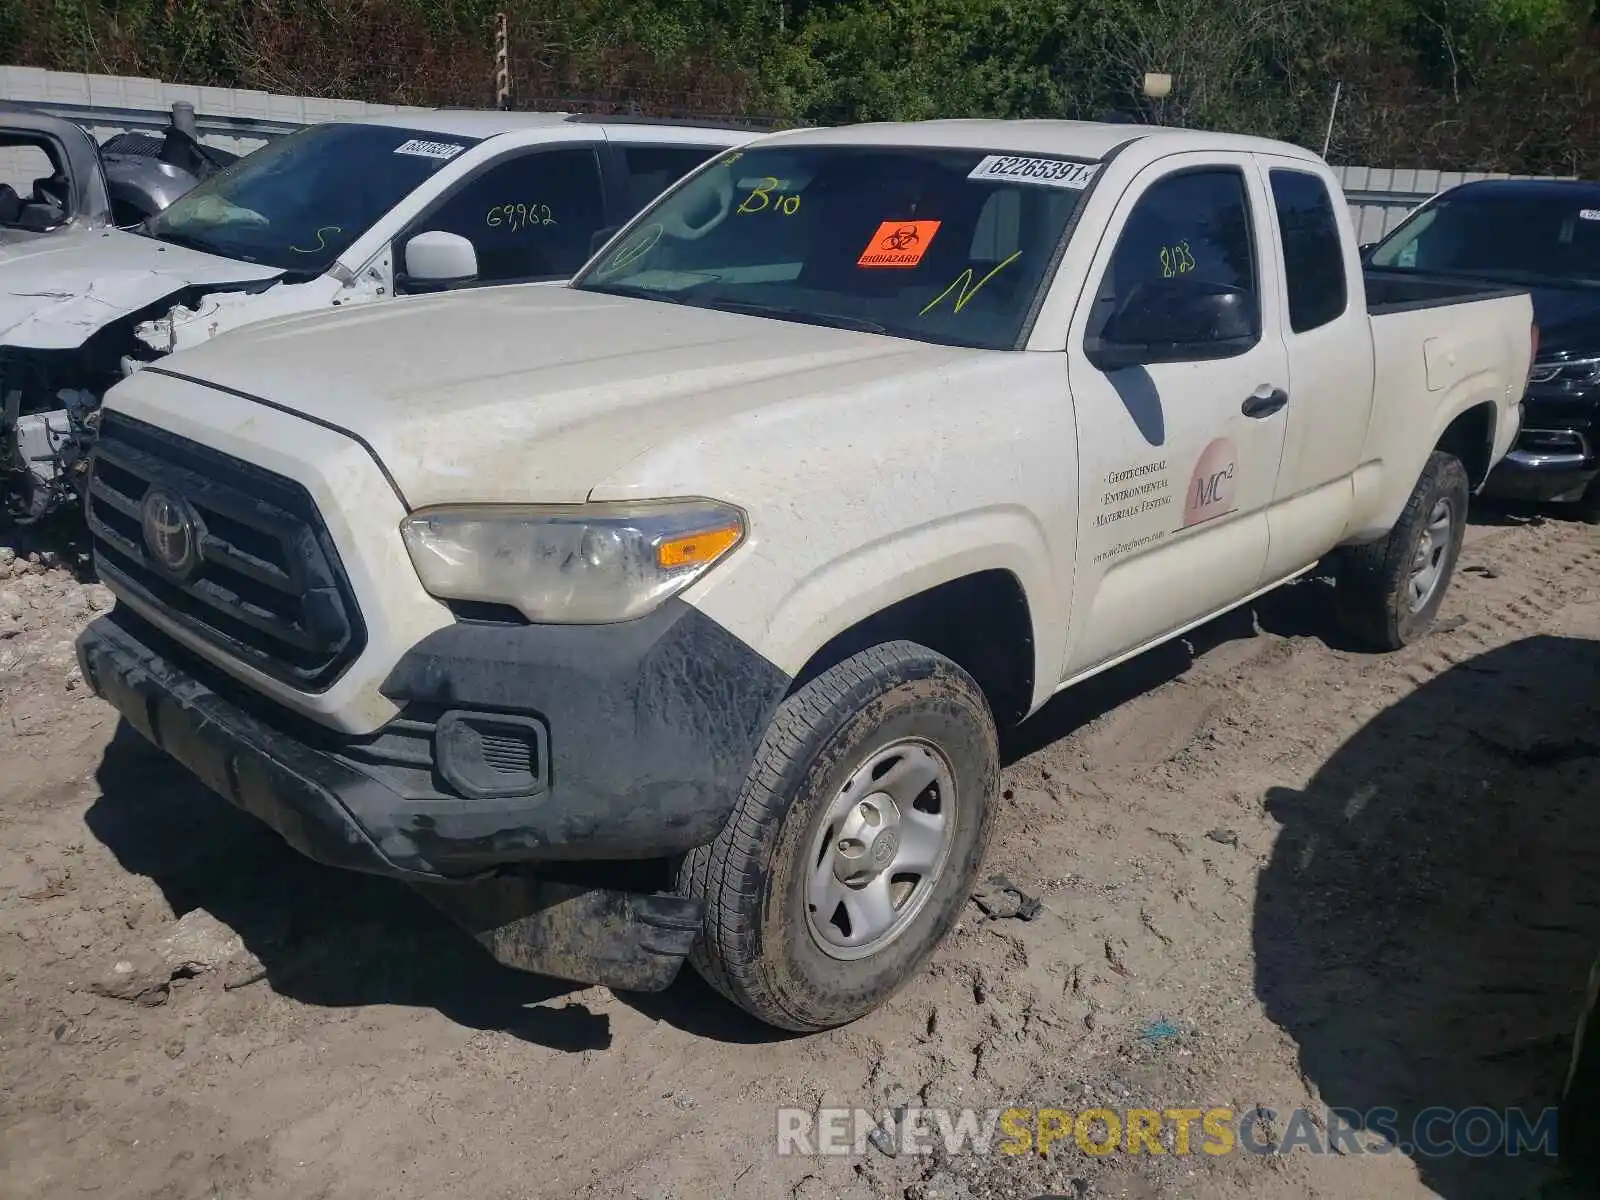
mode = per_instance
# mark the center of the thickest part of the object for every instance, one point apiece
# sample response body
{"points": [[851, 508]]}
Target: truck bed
{"points": [[1406, 291], [1439, 345]]}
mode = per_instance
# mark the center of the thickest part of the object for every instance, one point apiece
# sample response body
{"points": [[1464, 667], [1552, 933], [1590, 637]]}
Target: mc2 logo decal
{"points": [[1213, 483]]}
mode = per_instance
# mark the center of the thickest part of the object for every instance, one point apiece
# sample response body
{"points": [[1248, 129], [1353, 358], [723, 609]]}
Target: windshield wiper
{"points": [[789, 313], [629, 290]]}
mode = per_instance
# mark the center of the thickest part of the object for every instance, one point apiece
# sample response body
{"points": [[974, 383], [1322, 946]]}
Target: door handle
{"points": [[1264, 401]]}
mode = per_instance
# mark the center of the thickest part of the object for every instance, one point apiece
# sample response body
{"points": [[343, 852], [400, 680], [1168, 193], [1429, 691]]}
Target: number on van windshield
{"points": [[519, 216]]}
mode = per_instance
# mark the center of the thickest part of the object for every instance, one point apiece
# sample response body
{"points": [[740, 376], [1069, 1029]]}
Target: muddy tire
{"points": [[855, 840], [1390, 591]]}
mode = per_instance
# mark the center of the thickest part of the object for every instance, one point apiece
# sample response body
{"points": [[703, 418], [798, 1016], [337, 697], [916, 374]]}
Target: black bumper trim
{"points": [[652, 727], [629, 940], [1511, 480], [275, 778]]}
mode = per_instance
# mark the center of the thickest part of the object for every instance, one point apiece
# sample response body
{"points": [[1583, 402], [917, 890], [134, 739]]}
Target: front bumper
{"points": [[344, 802], [1554, 457], [1545, 478], [637, 741]]}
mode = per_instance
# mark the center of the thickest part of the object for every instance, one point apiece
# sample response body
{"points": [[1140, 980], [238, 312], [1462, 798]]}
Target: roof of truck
{"points": [[489, 122], [1075, 139]]}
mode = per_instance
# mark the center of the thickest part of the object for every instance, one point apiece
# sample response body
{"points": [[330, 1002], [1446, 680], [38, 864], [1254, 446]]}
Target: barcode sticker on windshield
{"points": [[422, 149], [1589, 214], [1050, 172]]}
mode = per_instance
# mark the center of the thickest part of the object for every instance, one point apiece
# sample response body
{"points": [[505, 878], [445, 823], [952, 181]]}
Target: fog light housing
{"points": [[490, 756]]}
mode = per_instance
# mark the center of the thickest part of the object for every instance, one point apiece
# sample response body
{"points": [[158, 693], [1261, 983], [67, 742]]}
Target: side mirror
{"points": [[436, 260], [601, 237], [1175, 320]]}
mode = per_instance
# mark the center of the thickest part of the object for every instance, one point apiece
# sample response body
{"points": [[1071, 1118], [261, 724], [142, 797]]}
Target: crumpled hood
{"points": [[538, 394], [56, 291]]}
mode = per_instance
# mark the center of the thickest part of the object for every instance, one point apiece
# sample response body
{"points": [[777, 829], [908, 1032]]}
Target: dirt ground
{"points": [[1275, 872]]}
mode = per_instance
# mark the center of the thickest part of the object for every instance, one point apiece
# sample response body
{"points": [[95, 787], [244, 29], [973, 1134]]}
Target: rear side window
{"points": [[1313, 252], [652, 169]]}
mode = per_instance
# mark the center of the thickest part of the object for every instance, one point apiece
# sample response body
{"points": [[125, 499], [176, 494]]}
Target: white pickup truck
{"points": [[672, 612], [332, 216]]}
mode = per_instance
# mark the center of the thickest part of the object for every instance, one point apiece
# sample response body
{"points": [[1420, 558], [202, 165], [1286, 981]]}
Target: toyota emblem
{"points": [[171, 532]]}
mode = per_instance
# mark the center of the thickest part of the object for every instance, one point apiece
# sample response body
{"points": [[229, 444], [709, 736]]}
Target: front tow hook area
{"points": [[631, 941]]}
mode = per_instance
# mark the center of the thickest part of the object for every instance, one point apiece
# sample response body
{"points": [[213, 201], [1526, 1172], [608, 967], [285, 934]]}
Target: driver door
{"points": [[1178, 460]]}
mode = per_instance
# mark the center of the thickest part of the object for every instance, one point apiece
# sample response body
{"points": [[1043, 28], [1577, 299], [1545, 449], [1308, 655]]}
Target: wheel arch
{"points": [[1470, 437], [980, 621]]}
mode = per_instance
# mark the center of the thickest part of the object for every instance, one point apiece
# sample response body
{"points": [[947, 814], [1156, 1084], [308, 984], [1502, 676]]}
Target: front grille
{"points": [[268, 588]]}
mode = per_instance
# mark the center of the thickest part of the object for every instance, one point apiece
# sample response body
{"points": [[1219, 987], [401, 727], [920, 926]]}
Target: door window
{"points": [[1313, 251], [528, 217], [1192, 226], [650, 170]]}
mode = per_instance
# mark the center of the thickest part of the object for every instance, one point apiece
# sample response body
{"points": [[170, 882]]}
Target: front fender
{"points": [[802, 615]]}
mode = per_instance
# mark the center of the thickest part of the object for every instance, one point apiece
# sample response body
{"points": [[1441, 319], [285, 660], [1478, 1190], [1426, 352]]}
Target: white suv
{"points": [[334, 215]]}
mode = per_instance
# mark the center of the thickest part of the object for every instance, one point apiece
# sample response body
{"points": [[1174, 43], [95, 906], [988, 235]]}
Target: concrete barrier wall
{"points": [[233, 119]]}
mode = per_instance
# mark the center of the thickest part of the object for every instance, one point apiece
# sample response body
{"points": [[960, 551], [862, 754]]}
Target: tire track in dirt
{"points": [[1141, 817]]}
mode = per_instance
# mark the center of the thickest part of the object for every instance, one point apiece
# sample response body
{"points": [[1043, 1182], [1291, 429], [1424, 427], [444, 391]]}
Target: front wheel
{"points": [[855, 841], [1390, 591]]}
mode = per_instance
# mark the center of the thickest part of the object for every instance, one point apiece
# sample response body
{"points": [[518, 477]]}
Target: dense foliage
{"points": [[1465, 84]]}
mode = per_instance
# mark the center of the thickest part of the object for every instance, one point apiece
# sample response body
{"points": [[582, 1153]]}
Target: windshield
{"points": [[946, 246], [298, 203], [1545, 237]]}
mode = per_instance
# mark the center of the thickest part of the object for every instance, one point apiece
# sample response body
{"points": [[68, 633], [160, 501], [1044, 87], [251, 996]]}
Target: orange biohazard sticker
{"points": [[898, 244]]}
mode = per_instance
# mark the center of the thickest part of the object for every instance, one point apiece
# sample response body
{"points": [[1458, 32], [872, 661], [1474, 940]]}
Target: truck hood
{"points": [[1569, 320], [538, 394], [58, 290]]}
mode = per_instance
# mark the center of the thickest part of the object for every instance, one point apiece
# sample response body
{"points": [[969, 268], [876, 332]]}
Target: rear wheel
{"points": [[855, 841], [1390, 591]]}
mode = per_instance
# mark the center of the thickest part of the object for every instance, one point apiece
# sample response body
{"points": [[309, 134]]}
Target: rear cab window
{"points": [[1313, 250], [942, 245]]}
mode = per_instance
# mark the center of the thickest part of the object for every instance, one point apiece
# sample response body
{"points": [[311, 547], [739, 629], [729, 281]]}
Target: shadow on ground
{"points": [[1494, 511], [325, 937], [336, 938], [61, 540], [1426, 923]]}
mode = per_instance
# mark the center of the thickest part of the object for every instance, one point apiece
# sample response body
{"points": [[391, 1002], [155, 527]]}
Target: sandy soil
{"points": [[1275, 872]]}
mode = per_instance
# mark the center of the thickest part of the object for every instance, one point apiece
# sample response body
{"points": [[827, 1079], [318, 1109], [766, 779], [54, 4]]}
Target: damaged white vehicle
{"points": [[333, 215]]}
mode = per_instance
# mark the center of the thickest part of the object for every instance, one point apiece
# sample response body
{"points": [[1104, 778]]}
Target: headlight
{"points": [[574, 564]]}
